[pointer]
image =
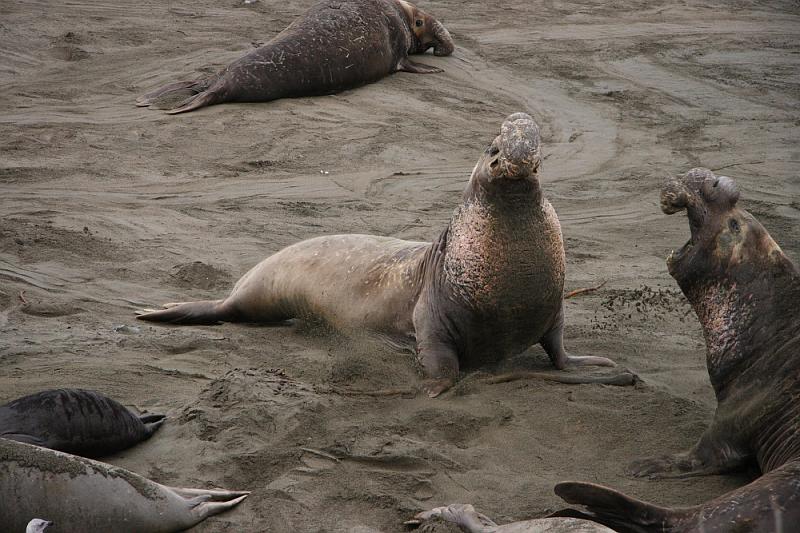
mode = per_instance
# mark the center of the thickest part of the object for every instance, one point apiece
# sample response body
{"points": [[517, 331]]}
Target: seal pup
{"points": [[84, 495], [490, 286], [37, 525], [471, 521], [335, 45], [77, 421], [746, 294]]}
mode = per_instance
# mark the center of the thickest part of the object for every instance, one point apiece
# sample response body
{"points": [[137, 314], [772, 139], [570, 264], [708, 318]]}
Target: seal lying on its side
{"points": [[746, 293], [335, 45], [75, 421], [84, 495], [471, 521], [489, 287]]}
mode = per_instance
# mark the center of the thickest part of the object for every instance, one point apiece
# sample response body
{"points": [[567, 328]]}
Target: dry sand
{"points": [[107, 208]]}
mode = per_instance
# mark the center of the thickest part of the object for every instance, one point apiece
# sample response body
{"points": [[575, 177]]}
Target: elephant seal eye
{"points": [[734, 225], [418, 23]]}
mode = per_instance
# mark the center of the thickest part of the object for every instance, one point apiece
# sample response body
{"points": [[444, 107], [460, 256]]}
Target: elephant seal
{"points": [[490, 286], [471, 521], [746, 294], [335, 45], [77, 421], [84, 495], [37, 525]]}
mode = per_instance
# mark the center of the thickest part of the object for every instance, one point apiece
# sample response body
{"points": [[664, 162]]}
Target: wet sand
{"points": [[107, 208]]}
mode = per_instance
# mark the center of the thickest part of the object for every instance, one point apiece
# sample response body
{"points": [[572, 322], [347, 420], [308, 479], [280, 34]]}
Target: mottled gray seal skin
{"points": [[77, 421], [489, 287], [746, 294], [80, 494], [471, 521], [335, 45]]}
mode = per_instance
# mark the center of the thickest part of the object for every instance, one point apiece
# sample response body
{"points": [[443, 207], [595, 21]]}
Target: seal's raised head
{"points": [[427, 32], [514, 155], [726, 241]]}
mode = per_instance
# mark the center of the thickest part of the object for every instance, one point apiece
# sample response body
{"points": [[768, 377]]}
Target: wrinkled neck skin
{"points": [[493, 239], [747, 309]]}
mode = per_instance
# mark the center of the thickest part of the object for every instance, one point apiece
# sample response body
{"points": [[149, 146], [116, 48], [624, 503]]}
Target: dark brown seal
{"points": [[77, 421], [335, 45], [746, 293], [490, 286]]}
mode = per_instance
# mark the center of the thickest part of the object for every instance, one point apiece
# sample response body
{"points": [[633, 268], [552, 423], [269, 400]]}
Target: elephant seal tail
{"points": [[206, 313], [614, 509], [152, 423], [181, 96]]}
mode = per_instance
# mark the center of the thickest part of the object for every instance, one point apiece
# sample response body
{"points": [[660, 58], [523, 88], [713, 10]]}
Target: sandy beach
{"points": [[106, 208]]}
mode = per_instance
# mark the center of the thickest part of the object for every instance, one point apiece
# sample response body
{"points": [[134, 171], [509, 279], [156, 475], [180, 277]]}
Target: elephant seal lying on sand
{"points": [[335, 45], [489, 287], [471, 521], [80, 494], [746, 293], [77, 421]]}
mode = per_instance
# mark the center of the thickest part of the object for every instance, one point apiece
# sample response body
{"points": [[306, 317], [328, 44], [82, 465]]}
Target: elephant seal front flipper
{"points": [[746, 295], [80, 494], [406, 65]]}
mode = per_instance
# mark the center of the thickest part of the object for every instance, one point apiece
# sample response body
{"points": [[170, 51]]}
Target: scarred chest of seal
{"points": [[494, 261], [504, 263]]}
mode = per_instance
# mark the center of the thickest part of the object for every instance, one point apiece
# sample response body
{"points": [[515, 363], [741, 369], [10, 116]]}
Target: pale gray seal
{"points": [[80, 494], [37, 525], [471, 521]]}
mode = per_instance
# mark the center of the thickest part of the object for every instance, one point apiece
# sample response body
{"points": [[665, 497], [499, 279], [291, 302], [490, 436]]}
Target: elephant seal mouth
{"points": [[516, 152], [703, 195]]}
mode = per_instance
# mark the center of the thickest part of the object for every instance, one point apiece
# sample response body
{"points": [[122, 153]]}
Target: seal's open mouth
{"points": [[701, 194]]}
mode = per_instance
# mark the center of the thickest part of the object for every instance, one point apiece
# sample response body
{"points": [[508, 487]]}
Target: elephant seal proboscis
{"points": [[746, 294], [76, 421], [471, 521], [335, 45], [490, 286], [80, 494]]}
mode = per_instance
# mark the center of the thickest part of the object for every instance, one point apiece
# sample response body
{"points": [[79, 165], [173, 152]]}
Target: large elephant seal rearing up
{"points": [[335, 45], [490, 286], [79, 494], [746, 293]]}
